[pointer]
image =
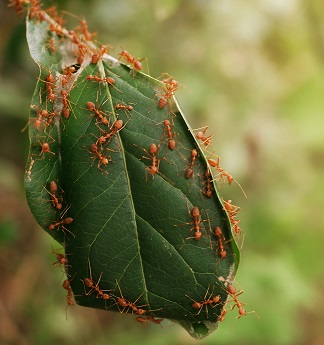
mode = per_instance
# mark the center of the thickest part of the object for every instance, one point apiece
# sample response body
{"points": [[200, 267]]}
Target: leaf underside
{"points": [[130, 229]]}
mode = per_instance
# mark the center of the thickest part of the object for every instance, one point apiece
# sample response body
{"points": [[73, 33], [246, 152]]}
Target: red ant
{"points": [[126, 107], [100, 114], [154, 167], [171, 141], [210, 301], [68, 73], [221, 317], [196, 216], [115, 128], [84, 28], [65, 102], [51, 45], [56, 201], [190, 170], [232, 212], [97, 56], [205, 140], [208, 183], [124, 303], [220, 241], [108, 80], [82, 48], [50, 80], [229, 207], [62, 260], [90, 283], [131, 59], [40, 117], [102, 160], [146, 319], [234, 294], [67, 286], [171, 86], [222, 173], [35, 10], [64, 221], [45, 148]]}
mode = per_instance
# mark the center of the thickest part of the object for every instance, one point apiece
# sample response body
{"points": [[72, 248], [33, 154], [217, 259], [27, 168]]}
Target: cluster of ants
{"points": [[214, 300], [124, 305], [57, 93]]}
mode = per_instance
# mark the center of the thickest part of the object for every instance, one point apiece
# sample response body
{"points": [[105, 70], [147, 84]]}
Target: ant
{"points": [[208, 184], [51, 45], [67, 286], [45, 148], [210, 301], [56, 201], [189, 172], [171, 86], [232, 212], [68, 73], [84, 28], [82, 48], [50, 80], [108, 80], [221, 317], [62, 260], [97, 56], [220, 241], [223, 174], [41, 115], [124, 303], [65, 102], [100, 114], [196, 216], [35, 10], [229, 207], [64, 221], [170, 135], [90, 283], [154, 167], [137, 64], [126, 107], [146, 319], [102, 160], [234, 294], [205, 140], [115, 128]]}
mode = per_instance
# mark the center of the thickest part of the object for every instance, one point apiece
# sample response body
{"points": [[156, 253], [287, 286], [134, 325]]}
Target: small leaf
{"points": [[132, 231]]}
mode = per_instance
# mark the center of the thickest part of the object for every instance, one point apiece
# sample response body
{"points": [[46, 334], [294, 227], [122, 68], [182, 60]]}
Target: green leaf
{"points": [[132, 232]]}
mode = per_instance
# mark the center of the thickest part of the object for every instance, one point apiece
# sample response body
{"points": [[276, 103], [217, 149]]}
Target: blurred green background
{"points": [[253, 71]]}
